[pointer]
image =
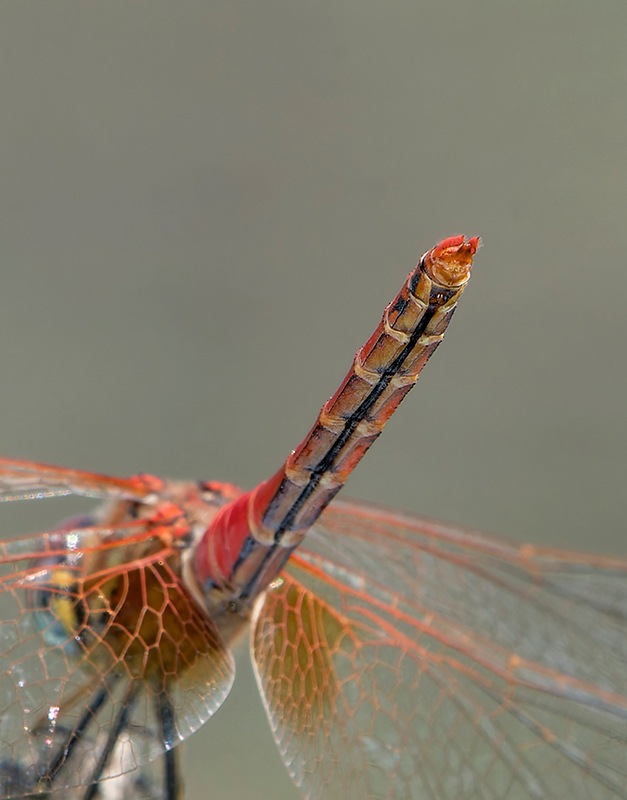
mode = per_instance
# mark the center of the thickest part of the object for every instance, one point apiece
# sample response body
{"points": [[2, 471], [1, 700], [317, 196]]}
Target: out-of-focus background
{"points": [[204, 207]]}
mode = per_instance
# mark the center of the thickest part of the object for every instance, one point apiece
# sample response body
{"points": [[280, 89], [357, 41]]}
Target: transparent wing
{"points": [[159, 779], [105, 660], [401, 658], [26, 480]]}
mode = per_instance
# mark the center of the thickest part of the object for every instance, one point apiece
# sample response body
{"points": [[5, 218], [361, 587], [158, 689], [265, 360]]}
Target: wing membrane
{"points": [[401, 658], [98, 636], [27, 480]]}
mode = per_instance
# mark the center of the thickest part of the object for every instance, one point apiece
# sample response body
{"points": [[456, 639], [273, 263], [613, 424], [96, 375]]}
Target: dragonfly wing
{"points": [[105, 659], [401, 658], [155, 780], [159, 779], [26, 480]]}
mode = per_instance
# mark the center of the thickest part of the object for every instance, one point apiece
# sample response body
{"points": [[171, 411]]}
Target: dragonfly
{"points": [[397, 657]]}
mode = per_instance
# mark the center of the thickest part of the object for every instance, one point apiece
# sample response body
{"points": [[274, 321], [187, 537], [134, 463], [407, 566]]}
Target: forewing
{"points": [[401, 658], [98, 636], [27, 480]]}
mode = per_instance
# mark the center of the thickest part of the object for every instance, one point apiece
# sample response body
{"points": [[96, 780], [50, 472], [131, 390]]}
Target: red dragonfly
{"points": [[396, 657]]}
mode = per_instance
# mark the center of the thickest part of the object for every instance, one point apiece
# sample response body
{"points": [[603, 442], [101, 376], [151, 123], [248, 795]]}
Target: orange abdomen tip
{"points": [[449, 262]]}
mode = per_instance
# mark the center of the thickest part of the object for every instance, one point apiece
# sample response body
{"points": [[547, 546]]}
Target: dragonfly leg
{"points": [[88, 716], [173, 784], [112, 739]]}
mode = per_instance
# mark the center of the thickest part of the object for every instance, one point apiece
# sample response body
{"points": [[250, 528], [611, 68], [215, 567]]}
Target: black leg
{"points": [[74, 736], [112, 739], [173, 784]]}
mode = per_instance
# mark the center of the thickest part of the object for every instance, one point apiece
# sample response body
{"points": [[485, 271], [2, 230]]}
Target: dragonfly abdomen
{"points": [[249, 540]]}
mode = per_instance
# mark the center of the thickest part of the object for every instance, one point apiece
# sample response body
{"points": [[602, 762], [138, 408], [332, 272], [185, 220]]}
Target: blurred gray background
{"points": [[204, 207]]}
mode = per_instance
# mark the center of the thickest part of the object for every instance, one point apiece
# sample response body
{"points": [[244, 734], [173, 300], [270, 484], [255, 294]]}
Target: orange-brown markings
{"points": [[498, 661], [372, 627], [307, 635], [144, 619]]}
